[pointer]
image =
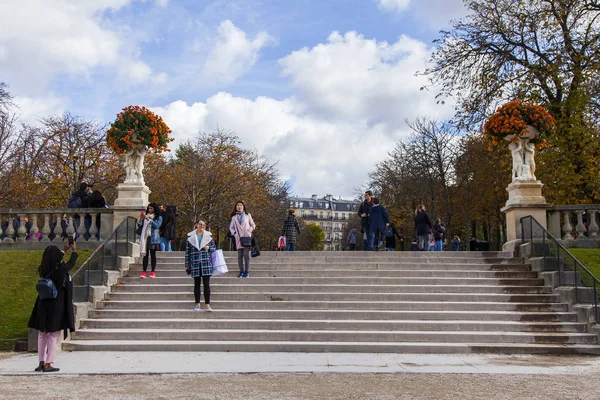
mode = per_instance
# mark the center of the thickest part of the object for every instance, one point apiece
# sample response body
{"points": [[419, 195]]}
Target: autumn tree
{"points": [[312, 239], [543, 51]]}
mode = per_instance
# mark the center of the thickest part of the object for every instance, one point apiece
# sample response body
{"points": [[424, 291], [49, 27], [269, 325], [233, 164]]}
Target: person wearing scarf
{"points": [[198, 262], [150, 222], [242, 225], [51, 316]]}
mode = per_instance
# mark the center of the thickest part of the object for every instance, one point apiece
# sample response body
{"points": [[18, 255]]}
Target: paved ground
{"points": [[139, 375]]}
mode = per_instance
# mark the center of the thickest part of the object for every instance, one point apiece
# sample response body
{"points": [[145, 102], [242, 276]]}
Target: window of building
{"points": [[327, 206], [321, 224], [291, 204], [302, 213], [336, 215]]}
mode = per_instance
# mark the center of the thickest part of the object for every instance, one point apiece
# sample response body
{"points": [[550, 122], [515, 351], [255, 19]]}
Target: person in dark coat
{"points": [[378, 221], [290, 227], [167, 228], [363, 212], [439, 233], [51, 316], [96, 200], [198, 262], [390, 241], [352, 239], [423, 227]]}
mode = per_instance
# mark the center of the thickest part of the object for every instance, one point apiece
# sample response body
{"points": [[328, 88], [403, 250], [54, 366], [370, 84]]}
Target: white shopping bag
{"points": [[218, 263]]}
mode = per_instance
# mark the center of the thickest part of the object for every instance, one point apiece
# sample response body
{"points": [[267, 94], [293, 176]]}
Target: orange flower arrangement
{"points": [[512, 119], [138, 125]]}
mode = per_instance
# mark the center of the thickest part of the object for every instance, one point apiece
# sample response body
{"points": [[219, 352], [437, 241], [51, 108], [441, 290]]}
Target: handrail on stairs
{"points": [[104, 257], [533, 232]]}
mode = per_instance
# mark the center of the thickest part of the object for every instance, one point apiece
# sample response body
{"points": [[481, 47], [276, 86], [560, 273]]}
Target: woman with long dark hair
{"points": [[198, 263], [290, 228], [241, 226], [51, 316], [149, 222]]}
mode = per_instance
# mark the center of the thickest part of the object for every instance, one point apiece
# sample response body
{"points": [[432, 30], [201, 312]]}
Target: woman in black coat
{"points": [[51, 316], [423, 227]]}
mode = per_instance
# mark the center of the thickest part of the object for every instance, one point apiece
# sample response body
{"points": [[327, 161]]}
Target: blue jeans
{"points": [[165, 245], [290, 247], [423, 242], [369, 243], [439, 245]]}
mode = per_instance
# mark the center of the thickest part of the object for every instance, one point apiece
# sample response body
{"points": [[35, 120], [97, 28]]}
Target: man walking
{"points": [[364, 212]]}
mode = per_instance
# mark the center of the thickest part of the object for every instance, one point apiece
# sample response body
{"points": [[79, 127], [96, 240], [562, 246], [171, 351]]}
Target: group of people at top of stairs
{"points": [[379, 232], [156, 228]]}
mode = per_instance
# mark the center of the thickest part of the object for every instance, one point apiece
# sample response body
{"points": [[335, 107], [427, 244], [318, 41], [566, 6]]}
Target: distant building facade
{"points": [[331, 214]]}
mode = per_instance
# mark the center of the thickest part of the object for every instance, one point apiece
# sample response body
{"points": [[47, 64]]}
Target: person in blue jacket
{"points": [[378, 221]]}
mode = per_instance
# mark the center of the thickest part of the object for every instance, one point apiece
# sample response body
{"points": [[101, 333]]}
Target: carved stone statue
{"points": [[134, 164], [523, 154], [517, 159]]}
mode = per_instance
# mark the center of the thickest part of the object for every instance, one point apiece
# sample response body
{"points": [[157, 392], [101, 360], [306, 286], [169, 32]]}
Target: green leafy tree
{"points": [[312, 238]]}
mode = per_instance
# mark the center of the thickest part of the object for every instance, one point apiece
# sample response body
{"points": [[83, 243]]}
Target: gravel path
{"points": [[304, 386]]}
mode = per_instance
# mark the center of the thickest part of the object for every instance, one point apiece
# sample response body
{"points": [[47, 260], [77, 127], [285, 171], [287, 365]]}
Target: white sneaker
{"points": [[208, 309], [197, 308]]}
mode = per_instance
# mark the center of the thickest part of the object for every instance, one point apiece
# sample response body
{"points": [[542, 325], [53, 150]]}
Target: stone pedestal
{"points": [[524, 199], [131, 200]]}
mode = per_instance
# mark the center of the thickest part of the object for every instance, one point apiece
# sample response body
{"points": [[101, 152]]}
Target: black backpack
{"points": [[74, 202], [46, 288]]}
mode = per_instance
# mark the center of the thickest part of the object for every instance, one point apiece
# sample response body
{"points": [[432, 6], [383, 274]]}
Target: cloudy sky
{"points": [[321, 86]]}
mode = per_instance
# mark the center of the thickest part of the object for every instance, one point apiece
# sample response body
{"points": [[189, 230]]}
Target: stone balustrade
{"points": [[574, 222], [36, 228]]}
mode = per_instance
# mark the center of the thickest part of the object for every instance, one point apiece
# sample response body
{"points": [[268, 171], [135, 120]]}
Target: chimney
{"points": [[328, 197], [314, 196]]}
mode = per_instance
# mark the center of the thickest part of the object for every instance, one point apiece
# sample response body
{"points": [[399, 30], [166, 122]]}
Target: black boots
{"points": [[40, 367]]}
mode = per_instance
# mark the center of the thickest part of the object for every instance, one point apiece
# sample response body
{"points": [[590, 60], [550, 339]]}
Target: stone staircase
{"points": [[397, 302]]}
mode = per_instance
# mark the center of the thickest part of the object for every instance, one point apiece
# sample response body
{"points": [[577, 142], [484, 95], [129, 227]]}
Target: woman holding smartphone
{"points": [[242, 225], [149, 222]]}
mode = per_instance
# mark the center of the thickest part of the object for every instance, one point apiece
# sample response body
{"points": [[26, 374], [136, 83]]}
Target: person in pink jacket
{"points": [[241, 226]]}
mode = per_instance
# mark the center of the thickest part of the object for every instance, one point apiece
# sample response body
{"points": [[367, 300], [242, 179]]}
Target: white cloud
{"points": [[353, 78], [233, 54], [42, 38], [395, 5], [31, 110]]}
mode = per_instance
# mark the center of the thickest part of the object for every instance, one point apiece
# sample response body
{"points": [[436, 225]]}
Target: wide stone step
{"points": [[347, 296], [334, 273], [438, 315], [356, 260], [330, 347], [204, 321], [273, 305], [233, 280], [335, 335], [328, 288], [505, 266], [359, 254]]}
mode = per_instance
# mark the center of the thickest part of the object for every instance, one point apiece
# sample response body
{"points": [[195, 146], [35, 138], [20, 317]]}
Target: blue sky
{"points": [[323, 87]]}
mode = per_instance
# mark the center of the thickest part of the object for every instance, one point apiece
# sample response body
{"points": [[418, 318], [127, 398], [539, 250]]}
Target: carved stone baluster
{"points": [[93, 228], [71, 227], [10, 232], [593, 227], [21, 230], [46, 228], [58, 232], [34, 228], [580, 227], [567, 228], [81, 228]]}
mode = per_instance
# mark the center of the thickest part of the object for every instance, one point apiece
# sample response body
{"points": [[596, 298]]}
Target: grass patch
{"points": [[590, 258], [18, 276]]}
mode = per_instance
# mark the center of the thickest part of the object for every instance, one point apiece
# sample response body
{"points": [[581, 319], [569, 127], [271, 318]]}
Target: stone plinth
{"points": [[524, 199], [131, 200]]}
